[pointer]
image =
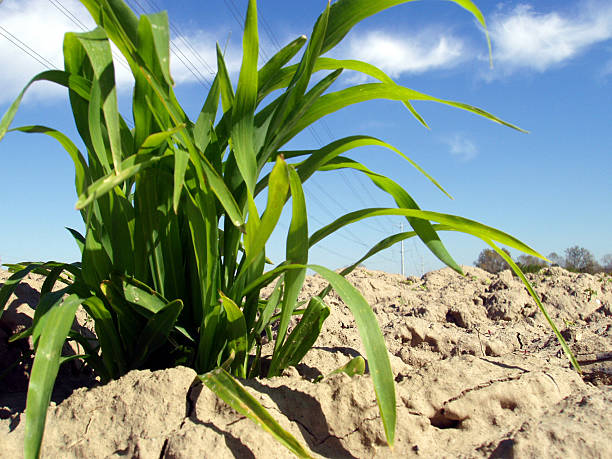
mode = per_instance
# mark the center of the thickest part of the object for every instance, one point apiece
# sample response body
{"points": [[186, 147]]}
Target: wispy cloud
{"points": [[195, 57], [41, 26], [462, 148], [526, 39], [398, 55]]}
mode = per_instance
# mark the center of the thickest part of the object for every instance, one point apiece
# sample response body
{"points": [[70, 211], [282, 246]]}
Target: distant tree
{"points": [[491, 261], [556, 259], [581, 260], [530, 264], [528, 260], [606, 263]]}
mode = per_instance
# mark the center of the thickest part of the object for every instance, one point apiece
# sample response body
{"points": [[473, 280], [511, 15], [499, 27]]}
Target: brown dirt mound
{"points": [[479, 374]]}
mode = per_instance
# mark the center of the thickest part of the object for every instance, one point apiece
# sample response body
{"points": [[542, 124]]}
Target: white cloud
{"points": [[525, 38], [397, 55], [462, 148], [41, 26]]}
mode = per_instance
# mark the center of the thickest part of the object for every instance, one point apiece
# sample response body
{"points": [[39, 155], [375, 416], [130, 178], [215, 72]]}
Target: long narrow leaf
{"points": [[156, 331], [458, 223], [236, 334], [346, 13], [536, 298], [332, 102], [297, 253], [404, 200], [256, 237], [243, 111], [232, 393], [58, 321], [374, 345], [303, 337]]}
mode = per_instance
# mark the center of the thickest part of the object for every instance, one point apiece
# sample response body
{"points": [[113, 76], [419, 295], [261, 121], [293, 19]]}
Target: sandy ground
{"points": [[478, 374]]}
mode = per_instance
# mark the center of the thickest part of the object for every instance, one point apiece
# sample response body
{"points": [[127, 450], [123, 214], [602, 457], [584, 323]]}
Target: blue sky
{"points": [[552, 75]]}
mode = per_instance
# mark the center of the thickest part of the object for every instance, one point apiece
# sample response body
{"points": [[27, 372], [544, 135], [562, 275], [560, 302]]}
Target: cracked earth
{"points": [[478, 374]]}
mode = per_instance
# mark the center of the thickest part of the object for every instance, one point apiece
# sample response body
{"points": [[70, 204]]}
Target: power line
{"points": [[240, 19], [26, 49], [75, 20], [155, 7], [351, 236], [178, 53]]}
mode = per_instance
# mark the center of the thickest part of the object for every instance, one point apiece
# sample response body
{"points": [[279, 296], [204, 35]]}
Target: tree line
{"points": [[576, 259]]}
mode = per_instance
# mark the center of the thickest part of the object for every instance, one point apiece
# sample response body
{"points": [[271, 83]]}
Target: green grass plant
{"points": [[174, 250]]}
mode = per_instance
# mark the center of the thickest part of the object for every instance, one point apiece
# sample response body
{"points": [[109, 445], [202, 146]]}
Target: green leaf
{"points": [[79, 238], [536, 298], [156, 331], [161, 40], [297, 87], [235, 334], [257, 235], [404, 200], [246, 100], [144, 296], [374, 345], [225, 84], [332, 102], [129, 323], [231, 392], [302, 338], [299, 110], [456, 223], [46, 303], [55, 76], [108, 337], [203, 126], [208, 348], [58, 320], [318, 158], [129, 168], [204, 233], [267, 74], [97, 47], [297, 253], [345, 14], [11, 284], [355, 366], [118, 20], [268, 310]]}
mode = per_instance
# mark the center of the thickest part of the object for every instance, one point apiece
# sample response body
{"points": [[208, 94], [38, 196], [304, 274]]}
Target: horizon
{"points": [[551, 75]]}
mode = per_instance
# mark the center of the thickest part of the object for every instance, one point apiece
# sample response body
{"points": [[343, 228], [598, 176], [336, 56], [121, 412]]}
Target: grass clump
{"points": [[173, 253]]}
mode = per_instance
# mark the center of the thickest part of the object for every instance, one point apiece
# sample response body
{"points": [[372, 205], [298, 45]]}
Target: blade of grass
{"points": [[257, 236], [303, 337], [536, 298], [296, 253], [374, 345], [246, 101], [346, 13], [58, 321], [457, 223], [156, 331], [332, 102], [236, 334], [233, 393], [423, 227]]}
